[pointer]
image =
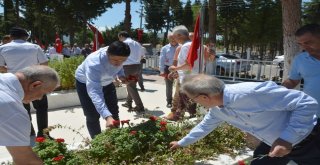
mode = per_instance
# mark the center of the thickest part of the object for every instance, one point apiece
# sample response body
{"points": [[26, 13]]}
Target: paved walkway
{"points": [[154, 101]]}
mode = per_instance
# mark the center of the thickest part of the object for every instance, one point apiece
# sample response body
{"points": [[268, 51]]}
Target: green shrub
{"points": [[66, 70], [148, 143]]}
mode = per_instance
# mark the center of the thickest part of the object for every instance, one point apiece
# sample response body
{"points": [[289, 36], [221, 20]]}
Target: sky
{"points": [[113, 16]]}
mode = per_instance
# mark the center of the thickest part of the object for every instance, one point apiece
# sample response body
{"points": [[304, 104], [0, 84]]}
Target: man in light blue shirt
{"points": [[166, 60], [95, 86], [282, 119], [306, 65]]}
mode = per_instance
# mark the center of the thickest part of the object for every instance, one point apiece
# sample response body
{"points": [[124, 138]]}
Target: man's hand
{"points": [[280, 148], [123, 80], [109, 122], [174, 145], [172, 68]]}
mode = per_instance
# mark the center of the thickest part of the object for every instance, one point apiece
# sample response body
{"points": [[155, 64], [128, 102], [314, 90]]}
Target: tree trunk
{"points": [[212, 20], [127, 18], [291, 14], [17, 13]]}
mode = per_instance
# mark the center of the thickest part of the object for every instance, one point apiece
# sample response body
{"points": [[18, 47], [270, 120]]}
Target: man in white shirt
{"points": [[19, 54], [24, 86], [132, 69], [181, 103]]}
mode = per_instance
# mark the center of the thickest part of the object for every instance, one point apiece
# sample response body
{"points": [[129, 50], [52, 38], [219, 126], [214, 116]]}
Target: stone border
{"points": [[69, 98]]}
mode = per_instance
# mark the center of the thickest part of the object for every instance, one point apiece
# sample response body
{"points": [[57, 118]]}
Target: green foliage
{"points": [[188, 16], [147, 143], [66, 70], [54, 152], [311, 13]]}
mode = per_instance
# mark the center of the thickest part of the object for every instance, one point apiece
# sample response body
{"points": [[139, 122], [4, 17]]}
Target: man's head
{"points": [[308, 37], [171, 39], [181, 34], [19, 33], [118, 52], [203, 89], [36, 81], [123, 35]]}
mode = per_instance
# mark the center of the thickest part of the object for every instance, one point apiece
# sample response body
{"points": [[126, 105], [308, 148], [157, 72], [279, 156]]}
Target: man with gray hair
{"points": [[283, 119], [180, 104], [26, 85], [166, 60], [18, 54]]}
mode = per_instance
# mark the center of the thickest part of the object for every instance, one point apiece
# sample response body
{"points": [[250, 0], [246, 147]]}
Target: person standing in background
{"points": [[17, 55], [142, 61], [132, 69], [306, 65], [166, 60]]}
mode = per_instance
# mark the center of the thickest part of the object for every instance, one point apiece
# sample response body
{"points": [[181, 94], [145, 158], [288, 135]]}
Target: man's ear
{"points": [[35, 85]]}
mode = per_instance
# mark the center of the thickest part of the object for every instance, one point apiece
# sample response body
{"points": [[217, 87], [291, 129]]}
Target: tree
{"points": [[187, 14], [291, 14], [155, 15], [212, 19], [177, 10], [311, 13]]}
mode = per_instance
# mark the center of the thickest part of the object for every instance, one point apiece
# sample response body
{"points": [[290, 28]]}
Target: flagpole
{"points": [[201, 29]]}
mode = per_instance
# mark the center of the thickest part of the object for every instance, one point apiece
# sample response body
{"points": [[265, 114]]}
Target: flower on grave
{"points": [[163, 128], [124, 122], [153, 118], [163, 123], [116, 123], [40, 139], [133, 132], [58, 158], [60, 140]]}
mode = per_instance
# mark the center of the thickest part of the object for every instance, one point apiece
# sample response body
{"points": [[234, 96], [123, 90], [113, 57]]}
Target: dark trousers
{"points": [[89, 110], [169, 85], [133, 70], [140, 79], [41, 107], [307, 152]]}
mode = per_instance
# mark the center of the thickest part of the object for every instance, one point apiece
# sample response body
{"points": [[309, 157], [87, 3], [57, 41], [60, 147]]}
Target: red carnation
{"points": [[241, 162], [133, 132], [60, 140], [124, 121], [163, 123], [163, 128], [116, 123], [58, 158], [153, 118], [40, 139], [132, 78]]}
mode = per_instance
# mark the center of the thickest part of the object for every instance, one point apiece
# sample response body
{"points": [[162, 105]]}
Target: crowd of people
{"points": [[283, 119]]}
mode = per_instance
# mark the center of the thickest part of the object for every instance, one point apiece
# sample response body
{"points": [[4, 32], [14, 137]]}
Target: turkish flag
{"points": [[39, 43], [193, 51], [58, 44], [97, 38]]}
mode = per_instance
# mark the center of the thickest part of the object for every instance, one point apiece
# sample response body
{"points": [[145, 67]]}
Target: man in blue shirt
{"points": [[166, 60], [306, 65], [282, 119], [95, 87]]}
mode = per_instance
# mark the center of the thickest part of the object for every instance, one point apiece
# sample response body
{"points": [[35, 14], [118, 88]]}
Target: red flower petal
{"points": [[40, 139], [59, 140]]}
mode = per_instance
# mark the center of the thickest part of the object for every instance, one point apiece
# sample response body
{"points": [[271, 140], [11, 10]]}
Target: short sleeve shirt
{"points": [[15, 125], [307, 67], [19, 54]]}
